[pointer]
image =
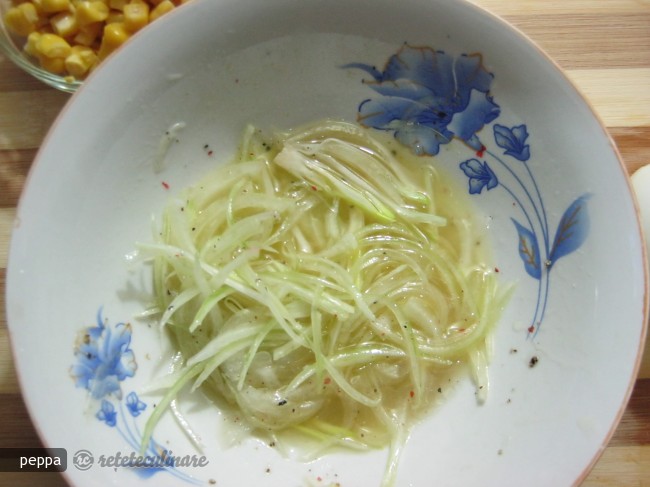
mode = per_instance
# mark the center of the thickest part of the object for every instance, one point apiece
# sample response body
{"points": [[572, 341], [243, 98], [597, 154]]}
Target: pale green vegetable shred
{"points": [[325, 288]]}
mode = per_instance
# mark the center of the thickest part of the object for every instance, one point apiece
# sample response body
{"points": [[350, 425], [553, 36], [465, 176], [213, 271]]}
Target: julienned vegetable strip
{"points": [[187, 375], [324, 286]]}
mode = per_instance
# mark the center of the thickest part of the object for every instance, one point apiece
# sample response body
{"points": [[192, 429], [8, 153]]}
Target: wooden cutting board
{"points": [[604, 48]]}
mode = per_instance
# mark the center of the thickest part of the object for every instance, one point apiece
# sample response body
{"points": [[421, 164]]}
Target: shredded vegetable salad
{"points": [[324, 288]]}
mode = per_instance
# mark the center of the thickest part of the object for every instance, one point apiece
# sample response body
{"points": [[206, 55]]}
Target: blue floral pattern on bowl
{"points": [[104, 360], [428, 98]]}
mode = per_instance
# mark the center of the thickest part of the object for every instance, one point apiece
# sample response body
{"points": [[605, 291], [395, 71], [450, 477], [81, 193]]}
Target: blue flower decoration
{"points": [[107, 413], [428, 98], [134, 404], [480, 176], [104, 358], [513, 141]]}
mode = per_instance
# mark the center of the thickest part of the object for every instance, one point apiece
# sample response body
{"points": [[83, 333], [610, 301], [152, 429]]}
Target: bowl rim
{"points": [[645, 329]]}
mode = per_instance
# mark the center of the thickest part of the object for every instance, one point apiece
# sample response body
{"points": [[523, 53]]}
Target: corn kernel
{"points": [[30, 45], [54, 65], [82, 51], [65, 24], [75, 66], [22, 19], [114, 36], [52, 6], [115, 16], [52, 46], [39, 6], [136, 16], [117, 4], [80, 61], [89, 12], [88, 34], [161, 9]]}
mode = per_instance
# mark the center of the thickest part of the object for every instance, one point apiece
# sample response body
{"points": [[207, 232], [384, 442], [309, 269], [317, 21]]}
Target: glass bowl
{"points": [[125, 26], [12, 46]]}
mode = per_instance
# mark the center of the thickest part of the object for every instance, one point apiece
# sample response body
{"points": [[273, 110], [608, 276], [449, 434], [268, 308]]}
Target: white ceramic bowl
{"points": [[562, 222]]}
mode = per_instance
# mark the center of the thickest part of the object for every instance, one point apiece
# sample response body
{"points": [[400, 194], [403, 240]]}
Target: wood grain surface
{"points": [[604, 48]]}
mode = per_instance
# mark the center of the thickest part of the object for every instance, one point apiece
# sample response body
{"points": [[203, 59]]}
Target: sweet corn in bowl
{"points": [[61, 42]]}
